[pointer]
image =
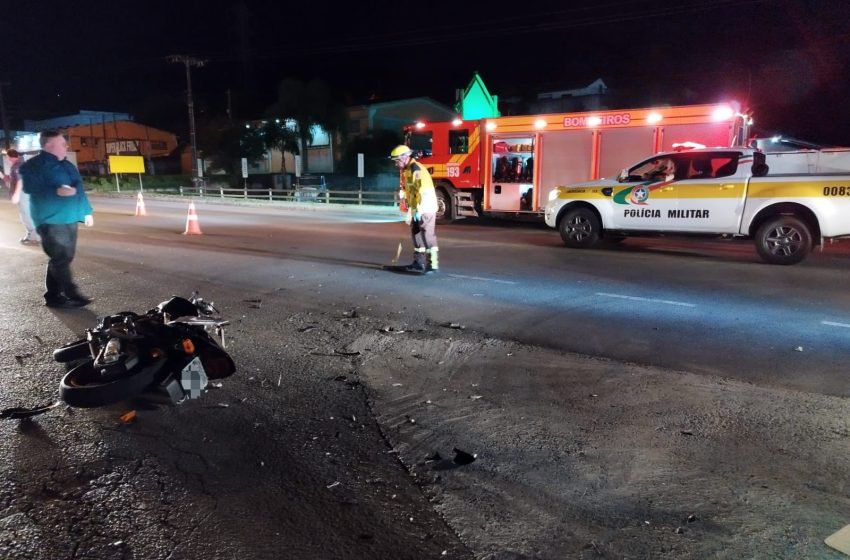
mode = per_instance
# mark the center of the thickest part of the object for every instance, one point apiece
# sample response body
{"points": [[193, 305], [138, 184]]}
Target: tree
{"points": [[224, 143], [277, 136], [308, 104], [375, 148]]}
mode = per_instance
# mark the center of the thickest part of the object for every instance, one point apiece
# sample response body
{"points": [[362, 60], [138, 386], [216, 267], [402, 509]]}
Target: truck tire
{"points": [[580, 228], [445, 211], [783, 240]]}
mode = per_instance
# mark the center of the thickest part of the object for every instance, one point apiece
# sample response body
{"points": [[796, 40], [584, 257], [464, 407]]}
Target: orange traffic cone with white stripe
{"points": [[192, 225], [140, 205]]}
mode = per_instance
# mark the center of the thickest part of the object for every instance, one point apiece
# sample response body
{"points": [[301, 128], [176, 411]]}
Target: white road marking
{"points": [[650, 300], [480, 278], [832, 324]]}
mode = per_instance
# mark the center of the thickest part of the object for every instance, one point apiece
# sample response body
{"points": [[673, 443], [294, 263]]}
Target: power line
{"points": [[490, 28]]}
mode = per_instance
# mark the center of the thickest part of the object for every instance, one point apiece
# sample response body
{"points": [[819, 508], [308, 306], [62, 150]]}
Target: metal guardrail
{"points": [[306, 194]]}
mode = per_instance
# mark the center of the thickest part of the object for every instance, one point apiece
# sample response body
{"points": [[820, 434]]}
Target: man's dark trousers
{"points": [[59, 242]]}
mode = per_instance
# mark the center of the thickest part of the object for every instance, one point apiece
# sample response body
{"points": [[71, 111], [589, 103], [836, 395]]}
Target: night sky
{"points": [[788, 60]]}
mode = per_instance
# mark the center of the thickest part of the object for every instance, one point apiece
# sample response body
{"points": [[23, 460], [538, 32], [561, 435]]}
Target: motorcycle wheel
{"points": [[72, 352], [83, 387]]}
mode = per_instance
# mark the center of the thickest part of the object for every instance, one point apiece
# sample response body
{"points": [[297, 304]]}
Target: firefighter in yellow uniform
{"points": [[417, 190]]}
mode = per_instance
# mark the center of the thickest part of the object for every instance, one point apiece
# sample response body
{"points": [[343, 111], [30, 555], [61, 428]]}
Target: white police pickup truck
{"points": [[726, 192]]}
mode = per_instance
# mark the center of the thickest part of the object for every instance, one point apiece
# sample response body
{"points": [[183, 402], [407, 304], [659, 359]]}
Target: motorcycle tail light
{"points": [[188, 346]]}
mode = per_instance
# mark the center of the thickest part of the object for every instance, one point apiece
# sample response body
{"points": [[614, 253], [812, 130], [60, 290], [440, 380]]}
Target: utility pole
{"points": [[6, 139], [188, 61]]}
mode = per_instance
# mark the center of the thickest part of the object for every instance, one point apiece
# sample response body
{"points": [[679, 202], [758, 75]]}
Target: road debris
{"points": [[433, 458], [20, 358], [129, 417], [329, 486], [307, 328], [474, 397], [453, 326], [798, 349], [840, 540], [463, 458], [335, 353]]}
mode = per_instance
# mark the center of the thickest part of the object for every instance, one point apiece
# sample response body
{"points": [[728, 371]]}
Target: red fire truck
{"points": [[506, 166]]}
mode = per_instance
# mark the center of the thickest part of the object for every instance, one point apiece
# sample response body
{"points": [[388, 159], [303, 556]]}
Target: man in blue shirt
{"points": [[58, 202]]}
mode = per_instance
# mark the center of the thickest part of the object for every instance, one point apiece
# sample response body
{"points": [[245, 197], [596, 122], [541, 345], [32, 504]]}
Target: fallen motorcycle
{"points": [[169, 349]]}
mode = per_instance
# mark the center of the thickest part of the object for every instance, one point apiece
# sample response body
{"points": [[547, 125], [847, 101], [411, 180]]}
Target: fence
{"points": [[305, 194]]}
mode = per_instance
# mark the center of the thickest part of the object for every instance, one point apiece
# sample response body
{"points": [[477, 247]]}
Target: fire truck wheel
{"points": [[783, 240], [444, 206]]}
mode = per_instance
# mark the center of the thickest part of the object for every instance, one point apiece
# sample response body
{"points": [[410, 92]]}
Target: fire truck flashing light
{"points": [[654, 118], [723, 113]]}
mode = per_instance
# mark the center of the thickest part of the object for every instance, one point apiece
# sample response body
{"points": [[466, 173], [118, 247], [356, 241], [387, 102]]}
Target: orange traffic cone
{"points": [[140, 205], [192, 225]]}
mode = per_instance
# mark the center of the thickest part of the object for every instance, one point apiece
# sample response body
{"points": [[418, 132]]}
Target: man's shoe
{"points": [[78, 301], [28, 241], [67, 302], [56, 302], [415, 268]]}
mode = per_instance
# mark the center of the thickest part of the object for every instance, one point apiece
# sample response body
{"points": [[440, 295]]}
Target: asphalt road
{"points": [[297, 452], [703, 306]]}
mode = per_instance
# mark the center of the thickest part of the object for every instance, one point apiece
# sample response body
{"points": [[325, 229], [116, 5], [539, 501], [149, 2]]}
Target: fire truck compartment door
{"points": [[506, 196], [565, 159]]}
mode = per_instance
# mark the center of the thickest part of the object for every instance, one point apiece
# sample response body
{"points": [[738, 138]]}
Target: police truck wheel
{"points": [[783, 240], [444, 206], [580, 228]]}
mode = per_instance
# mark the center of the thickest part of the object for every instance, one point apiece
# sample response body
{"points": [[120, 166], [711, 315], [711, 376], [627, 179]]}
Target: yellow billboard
{"points": [[126, 164]]}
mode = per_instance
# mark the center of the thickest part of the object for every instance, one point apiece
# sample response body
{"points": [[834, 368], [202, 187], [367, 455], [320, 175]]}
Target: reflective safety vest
{"points": [[418, 188]]}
